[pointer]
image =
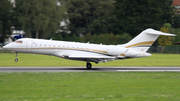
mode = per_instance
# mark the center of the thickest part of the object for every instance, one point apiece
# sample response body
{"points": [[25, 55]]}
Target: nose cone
{"points": [[6, 47]]}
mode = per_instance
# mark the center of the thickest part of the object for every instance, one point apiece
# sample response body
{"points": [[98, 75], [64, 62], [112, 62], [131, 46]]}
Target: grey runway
{"points": [[94, 69]]}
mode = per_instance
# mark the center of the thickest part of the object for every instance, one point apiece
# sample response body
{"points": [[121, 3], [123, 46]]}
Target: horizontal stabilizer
{"points": [[155, 32]]}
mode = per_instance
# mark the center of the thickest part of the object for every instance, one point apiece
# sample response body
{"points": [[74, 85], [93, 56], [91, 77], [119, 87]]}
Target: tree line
{"points": [[97, 21], [107, 39]]}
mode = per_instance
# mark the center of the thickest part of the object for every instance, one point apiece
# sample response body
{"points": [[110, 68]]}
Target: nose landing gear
{"points": [[16, 60]]}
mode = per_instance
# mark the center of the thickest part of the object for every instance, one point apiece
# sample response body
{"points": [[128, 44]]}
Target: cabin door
{"points": [[29, 46]]}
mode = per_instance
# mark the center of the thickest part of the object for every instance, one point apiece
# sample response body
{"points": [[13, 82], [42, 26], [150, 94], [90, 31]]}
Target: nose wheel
{"points": [[16, 60], [88, 65]]}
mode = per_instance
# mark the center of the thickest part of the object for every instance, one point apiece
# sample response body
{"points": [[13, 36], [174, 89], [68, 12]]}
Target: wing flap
{"points": [[84, 56], [68, 55]]}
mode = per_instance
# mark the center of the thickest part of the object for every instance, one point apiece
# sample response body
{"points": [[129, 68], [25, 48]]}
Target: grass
{"points": [[89, 86], [115, 86], [7, 59]]}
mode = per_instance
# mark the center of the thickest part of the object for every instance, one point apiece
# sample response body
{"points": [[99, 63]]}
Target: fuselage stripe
{"points": [[88, 50], [140, 44]]}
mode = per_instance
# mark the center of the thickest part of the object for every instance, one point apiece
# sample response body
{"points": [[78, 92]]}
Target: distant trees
{"points": [[97, 21], [117, 16], [133, 16], [37, 17], [164, 40], [5, 18], [89, 16], [97, 39], [107, 39], [171, 29]]}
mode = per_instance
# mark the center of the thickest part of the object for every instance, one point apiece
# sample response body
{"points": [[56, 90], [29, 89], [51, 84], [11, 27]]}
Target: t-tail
{"points": [[144, 40]]}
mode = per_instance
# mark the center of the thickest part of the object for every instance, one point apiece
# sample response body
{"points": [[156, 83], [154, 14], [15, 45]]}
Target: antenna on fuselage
{"points": [[51, 39]]}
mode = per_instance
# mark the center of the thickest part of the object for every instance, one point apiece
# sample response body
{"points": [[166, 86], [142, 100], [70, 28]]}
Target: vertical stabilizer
{"points": [[145, 39]]}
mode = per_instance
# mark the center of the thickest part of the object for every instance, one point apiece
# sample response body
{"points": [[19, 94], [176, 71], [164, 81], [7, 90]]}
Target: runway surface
{"points": [[94, 69]]}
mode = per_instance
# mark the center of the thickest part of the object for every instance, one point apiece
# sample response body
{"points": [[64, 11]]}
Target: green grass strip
{"points": [[106, 86], [7, 59]]}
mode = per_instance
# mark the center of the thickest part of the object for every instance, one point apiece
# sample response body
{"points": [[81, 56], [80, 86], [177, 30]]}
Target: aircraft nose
{"points": [[6, 47]]}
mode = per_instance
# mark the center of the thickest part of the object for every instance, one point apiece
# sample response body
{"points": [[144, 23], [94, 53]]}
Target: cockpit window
{"points": [[18, 42]]}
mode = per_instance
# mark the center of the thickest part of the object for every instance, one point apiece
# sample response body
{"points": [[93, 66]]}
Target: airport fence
{"points": [[165, 49]]}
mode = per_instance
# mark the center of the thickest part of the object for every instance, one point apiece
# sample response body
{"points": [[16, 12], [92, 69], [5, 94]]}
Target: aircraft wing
{"points": [[95, 59], [83, 57], [87, 56]]}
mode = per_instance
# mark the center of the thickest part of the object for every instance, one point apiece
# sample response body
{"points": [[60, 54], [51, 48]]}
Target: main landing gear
{"points": [[88, 65], [16, 60]]}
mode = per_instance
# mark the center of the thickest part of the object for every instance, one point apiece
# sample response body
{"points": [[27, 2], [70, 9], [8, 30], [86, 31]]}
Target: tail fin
{"points": [[145, 39]]}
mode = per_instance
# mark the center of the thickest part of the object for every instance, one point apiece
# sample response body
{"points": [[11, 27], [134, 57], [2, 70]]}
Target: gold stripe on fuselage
{"points": [[99, 51], [141, 43], [122, 54]]}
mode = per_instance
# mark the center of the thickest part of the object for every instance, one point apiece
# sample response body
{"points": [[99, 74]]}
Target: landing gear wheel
{"points": [[88, 65], [16, 60]]}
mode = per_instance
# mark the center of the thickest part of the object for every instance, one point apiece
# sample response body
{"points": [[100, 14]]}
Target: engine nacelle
{"points": [[131, 53], [114, 50]]}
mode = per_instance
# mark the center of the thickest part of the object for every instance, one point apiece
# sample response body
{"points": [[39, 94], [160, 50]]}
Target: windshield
{"points": [[18, 41]]}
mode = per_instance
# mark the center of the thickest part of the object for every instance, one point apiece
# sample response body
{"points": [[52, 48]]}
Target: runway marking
{"points": [[94, 69], [146, 67], [148, 70]]}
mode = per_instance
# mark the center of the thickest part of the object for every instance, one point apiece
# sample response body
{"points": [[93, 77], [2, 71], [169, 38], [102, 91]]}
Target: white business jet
{"points": [[97, 53]]}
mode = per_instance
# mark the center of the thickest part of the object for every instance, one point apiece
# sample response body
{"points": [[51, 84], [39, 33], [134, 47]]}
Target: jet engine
{"points": [[114, 50]]}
